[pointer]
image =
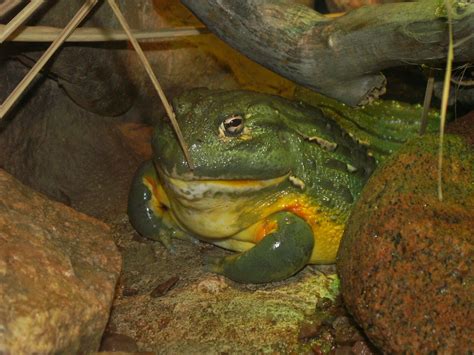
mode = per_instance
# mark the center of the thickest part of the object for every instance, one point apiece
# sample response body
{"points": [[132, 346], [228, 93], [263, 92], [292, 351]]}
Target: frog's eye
{"points": [[232, 126]]}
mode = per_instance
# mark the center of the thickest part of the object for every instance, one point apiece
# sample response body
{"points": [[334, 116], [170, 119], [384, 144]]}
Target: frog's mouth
{"points": [[219, 208], [197, 189]]}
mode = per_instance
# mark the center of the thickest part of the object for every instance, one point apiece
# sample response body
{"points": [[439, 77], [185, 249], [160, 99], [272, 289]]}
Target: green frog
{"points": [[273, 179]]}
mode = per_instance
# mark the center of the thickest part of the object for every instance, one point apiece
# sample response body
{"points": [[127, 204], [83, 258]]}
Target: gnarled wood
{"points": [[340, 57]]}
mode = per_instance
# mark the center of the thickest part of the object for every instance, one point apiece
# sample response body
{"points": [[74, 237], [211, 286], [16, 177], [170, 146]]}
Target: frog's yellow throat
{"points": [[209, 208], [236, 214], [217, 209]]}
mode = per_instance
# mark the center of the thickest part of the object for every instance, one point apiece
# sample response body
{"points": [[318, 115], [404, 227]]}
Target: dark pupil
{"points": [[234, 123]]}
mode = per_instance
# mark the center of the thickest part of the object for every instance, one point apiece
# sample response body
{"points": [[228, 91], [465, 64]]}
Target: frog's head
{"points": [[231, 135], [247, 149], [240, 149]]}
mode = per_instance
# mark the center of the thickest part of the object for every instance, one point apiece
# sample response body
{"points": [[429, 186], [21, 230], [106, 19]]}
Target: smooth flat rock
{"points": [[406, 258], [58, 270]]}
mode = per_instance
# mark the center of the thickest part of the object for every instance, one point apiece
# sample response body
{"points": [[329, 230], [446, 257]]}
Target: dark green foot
{"points": [[278, 256], [149, 221]]}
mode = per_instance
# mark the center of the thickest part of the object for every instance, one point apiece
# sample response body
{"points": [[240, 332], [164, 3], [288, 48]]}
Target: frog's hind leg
{"points": [[276, 257], [148, 207]]}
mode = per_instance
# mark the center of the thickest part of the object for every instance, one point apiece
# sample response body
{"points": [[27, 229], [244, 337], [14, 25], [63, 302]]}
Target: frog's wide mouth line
{"points": [[197, 188]]}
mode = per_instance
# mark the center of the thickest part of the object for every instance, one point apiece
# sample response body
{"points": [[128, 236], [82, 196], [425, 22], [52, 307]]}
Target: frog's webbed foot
{"points": [[278, 256]]}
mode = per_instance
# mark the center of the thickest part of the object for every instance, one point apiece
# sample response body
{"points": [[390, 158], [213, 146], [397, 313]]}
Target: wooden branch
{"points": [[94, 34], [154, 80], [27, 80], [340, 57], [20, 18]]}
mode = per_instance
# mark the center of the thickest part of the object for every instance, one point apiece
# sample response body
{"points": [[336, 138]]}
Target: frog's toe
{"points": [[167, 236], [178, 234], [166, 240], [278, 256]]}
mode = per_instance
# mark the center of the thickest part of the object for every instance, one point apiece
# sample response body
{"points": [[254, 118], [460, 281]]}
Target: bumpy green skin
{"points": [[382, 126], [278, 256], [281, 142]]}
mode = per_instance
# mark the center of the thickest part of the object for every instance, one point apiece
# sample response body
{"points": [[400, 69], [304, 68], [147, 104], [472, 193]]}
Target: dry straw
{"points": [[20, 18], [28, 79], [40, 34], [444, 100], [45, 34], [154, 80]]}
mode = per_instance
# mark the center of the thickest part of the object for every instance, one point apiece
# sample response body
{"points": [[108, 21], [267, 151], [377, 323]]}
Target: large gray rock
{"points": [[58, 270], [72, 155], [94, 76]]}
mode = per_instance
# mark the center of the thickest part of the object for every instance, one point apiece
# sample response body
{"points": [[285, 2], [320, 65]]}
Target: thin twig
{"points": [[20, 18], [7, 6], [39, 34], [26, 81], [154, 80], [96, 34], [334, 14], [461, 42], [462, 82], [444, 100], [427, 102]]}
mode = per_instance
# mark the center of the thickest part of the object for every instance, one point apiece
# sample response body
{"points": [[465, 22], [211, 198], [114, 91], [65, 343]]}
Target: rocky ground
{"points": [[58, 271], [168, 303], [53, 277]]}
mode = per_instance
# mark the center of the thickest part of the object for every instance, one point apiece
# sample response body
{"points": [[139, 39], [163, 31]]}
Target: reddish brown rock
{"points": [[406, 259], [464, 126], [138, 138], [58, 270]]}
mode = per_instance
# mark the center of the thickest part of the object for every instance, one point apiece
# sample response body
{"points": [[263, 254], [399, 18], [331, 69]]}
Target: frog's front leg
{"points": [[148, 207], [276, 257]]}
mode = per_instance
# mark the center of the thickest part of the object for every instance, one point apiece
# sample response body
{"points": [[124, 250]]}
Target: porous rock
{"points": [[405, 260], [58, 270]]}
